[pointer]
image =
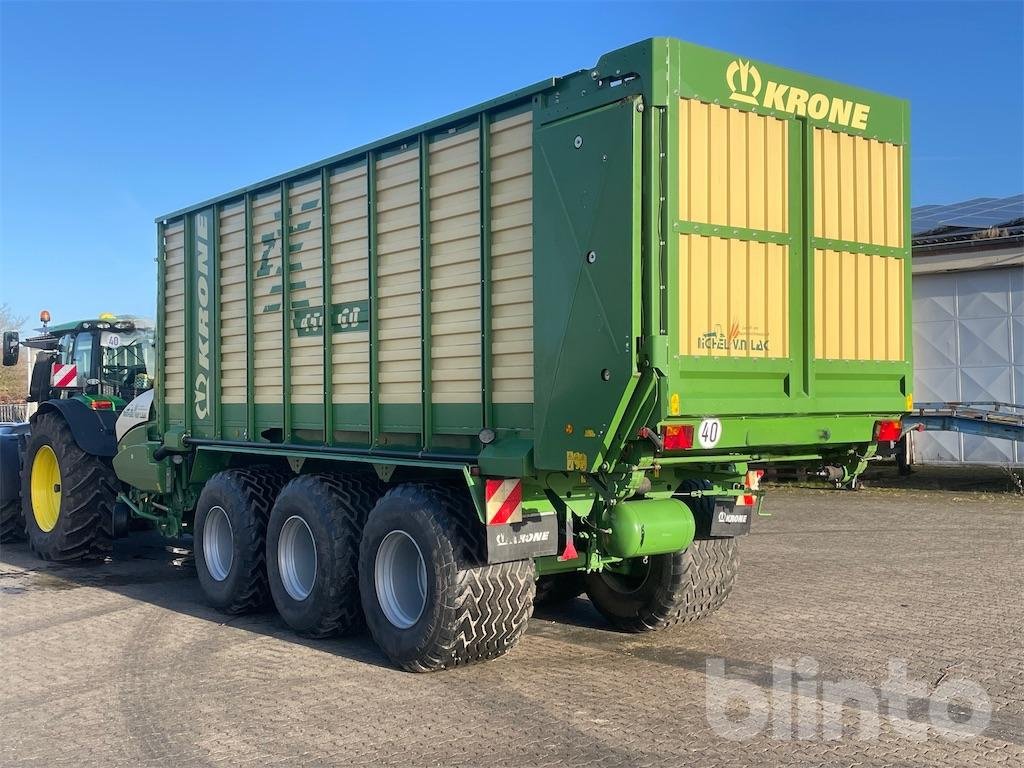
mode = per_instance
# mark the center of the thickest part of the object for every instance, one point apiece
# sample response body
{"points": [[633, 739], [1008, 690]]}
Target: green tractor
{"points": [[57, 486]]}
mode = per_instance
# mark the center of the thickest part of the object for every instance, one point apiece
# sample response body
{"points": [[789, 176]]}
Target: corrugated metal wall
{"points": [[399, 311], [394, 241], [267, 293], [455, 314], [174, 313], [511, 201], [968, 346], [233, 344], [350, 287], [305, 278]]}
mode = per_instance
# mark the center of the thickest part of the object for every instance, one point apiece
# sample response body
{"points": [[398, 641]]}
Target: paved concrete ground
{"points": [[122, 664]]}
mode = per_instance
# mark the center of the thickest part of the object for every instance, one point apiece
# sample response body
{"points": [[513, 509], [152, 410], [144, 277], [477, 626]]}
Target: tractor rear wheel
{"points": [[67, 494], [429, 602]]}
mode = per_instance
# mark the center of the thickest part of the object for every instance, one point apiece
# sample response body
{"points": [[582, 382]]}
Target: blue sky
{"points": [[112, 114]]}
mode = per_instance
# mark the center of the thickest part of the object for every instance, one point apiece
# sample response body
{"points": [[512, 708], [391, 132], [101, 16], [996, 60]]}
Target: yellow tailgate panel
{"points": [[858, 306], [858, 189], [733, 293], [733, 298], [737, 182]]}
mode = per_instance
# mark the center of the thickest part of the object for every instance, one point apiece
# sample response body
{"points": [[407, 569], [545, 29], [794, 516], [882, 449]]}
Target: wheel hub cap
{"points": [[400, 577], [218, 543], [296, 558], [45, 482]]}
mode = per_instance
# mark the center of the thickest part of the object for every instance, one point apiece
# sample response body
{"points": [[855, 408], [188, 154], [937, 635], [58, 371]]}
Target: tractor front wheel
{"points": [[67, 494]]}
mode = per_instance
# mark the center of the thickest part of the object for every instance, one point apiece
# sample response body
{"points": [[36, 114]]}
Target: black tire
{"points": [[470, 612], [559, 588], [669, 589], [88, 488], [12, 523], [904, 456], [245, 496], [334, 510]]}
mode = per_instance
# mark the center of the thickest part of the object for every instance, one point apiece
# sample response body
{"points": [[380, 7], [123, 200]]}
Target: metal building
{"points": [[968, 309]]}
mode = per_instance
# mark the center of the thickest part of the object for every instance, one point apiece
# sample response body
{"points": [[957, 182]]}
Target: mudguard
{"points": [[12, 439], [93, 431]]}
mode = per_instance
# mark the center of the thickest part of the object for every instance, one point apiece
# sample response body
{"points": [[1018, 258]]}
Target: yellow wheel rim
{"points": [[45, 488]]}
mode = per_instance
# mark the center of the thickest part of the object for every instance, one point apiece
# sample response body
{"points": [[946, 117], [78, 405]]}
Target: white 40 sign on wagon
{"points": [[710, 433]]}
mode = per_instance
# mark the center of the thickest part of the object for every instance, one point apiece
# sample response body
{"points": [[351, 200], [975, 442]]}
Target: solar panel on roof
{"points": [[976, 213], [999, 212]]}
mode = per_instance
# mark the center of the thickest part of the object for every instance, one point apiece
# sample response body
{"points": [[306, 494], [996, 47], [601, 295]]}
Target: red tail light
{"points": [[677, 438], [101, 405], [752, 483], [887, 430]]}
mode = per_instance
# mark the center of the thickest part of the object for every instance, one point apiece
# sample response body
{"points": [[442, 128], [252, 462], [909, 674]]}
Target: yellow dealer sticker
{"points": [[575, 461]]}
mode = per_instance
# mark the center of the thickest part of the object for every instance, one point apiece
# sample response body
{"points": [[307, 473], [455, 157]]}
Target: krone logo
{"points": [[201, 396], [745, 84], [748, 85]]}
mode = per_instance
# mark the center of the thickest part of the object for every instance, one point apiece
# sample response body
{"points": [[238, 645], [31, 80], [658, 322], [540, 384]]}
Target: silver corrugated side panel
{"points": [[969, 346]]}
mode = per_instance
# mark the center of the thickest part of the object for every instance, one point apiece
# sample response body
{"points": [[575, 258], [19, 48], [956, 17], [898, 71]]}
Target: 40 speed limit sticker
{"points": [[710, 433]]}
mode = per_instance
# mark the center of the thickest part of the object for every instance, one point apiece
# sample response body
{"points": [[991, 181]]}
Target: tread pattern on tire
{"points": [[707, 571], [351, 505], [490, 605], [698, 580], [12, 524], [696, 583], [259, 487], [88, 491]]}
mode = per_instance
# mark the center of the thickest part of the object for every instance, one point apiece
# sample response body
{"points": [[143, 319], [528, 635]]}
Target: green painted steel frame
{"points": [[286, 311], [214, 388], [161, 323], [426, 390], [328, 301], [250, 319], [486, 373], [371, 203], [189, 345]]}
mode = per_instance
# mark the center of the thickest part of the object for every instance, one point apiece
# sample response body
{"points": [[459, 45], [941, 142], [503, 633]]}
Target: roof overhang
{"points": [[994, 253]]}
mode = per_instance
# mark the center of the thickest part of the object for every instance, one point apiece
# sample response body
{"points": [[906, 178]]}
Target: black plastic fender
{"points": [[12, 446], [93, 431]]}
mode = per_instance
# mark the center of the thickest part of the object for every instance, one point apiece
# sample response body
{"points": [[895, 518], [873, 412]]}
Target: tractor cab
{"points": [[106, 362]]}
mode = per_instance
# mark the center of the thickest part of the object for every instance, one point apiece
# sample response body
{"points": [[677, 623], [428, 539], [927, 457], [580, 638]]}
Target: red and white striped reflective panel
{"points": [[753, 483], [64, 375], [504, 501]]}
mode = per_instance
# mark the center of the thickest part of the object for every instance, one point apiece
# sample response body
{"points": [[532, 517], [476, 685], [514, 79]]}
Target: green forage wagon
{"points": [[540, 347]]}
